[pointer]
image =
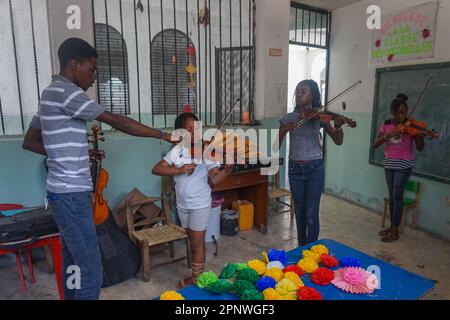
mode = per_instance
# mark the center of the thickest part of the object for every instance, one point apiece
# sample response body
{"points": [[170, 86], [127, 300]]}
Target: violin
{"points": [[100, 177], [417, 128], [325, 115]]}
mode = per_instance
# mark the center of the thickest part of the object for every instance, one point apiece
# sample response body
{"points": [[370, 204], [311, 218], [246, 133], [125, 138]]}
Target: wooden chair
{"points": [[276, 193], [164, 233], [408, 203]]}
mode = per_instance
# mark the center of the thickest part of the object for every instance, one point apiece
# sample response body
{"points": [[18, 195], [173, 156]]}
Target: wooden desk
{"points": [[250, 186]]}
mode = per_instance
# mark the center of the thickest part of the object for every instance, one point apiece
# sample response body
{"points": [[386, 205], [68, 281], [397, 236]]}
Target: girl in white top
{"points": [[193, 191]]}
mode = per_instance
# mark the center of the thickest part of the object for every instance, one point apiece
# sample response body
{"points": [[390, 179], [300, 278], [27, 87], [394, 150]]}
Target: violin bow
{"points": [[222, 124], [340, 95], [427, 85]]}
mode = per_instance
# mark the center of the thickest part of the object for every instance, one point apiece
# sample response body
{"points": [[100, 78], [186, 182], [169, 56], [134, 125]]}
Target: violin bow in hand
{"points": [[323, 108]]}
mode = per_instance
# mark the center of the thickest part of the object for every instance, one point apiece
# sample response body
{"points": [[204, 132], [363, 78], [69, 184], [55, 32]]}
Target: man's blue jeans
{"points": [[73, 214], [307, 182]]}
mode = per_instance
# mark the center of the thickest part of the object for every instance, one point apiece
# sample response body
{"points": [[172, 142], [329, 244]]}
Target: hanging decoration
{"points": [[203, 17]]}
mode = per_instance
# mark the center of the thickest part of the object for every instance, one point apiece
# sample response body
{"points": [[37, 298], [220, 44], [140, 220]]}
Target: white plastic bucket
{"points": [[213, 225]]}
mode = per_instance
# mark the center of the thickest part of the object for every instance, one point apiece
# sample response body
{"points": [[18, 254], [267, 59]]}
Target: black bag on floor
{"points": [[30, 224], [120, 256]]}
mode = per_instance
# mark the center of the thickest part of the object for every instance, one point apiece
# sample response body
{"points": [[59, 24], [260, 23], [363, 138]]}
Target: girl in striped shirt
{"points": [[398, 162]]}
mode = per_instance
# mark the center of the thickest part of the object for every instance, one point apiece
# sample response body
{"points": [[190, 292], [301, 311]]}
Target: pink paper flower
{"points": [[355, 280]]}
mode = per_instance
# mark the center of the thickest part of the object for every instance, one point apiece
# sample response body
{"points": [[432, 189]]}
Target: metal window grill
{"points": [[24, 62], [170, 81], [309, 26], [156, 34], [112, 69]]}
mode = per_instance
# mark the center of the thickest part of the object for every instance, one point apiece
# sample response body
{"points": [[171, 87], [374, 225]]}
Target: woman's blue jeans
{"points": [[307, 182]]}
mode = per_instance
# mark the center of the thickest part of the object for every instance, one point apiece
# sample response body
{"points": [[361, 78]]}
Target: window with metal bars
{"points": [[309, 26], [24, 62], [112, 73], [171, 90], [157, 33]]}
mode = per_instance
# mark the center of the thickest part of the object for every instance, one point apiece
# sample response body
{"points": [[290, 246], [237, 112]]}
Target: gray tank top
{"points": [[305, 142]]}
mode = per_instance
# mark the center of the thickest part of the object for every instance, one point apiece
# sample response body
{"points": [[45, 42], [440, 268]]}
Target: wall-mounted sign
{"points": [[405, 35], [273, 52]]}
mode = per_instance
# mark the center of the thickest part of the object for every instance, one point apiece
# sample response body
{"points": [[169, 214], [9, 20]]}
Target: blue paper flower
{"points": [[347, 262], [265, 283], [277, 255]]}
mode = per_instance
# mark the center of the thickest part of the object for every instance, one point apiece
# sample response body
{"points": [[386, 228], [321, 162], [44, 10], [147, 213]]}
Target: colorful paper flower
{"points": [[271, 294], [312, 255], [277, 255], [241, 266], [275, 274], [308, 265], [320, 249], [171, 296], [190, 50], [240, 286], [191, 69], [258, 266], [275, 264], [252, 295], [355, 280], [322, 276], [294, 278], [220, 287], [329, 261], [289, 296], [308, 293], [229, 271], [248, 274], [350, 262], [294, 268], [187, 109], [265, 283], [206, 279], [285, 286]]}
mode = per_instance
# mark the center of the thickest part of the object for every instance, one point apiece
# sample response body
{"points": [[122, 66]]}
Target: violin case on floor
{"points": [[120, 256], [26, 224]]}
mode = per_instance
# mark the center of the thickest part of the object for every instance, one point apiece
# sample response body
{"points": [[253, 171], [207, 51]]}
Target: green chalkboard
{"points": [[434, 161]]}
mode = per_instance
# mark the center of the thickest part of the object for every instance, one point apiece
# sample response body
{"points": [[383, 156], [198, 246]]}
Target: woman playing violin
{"points": [[398, 161], [306, 165]]}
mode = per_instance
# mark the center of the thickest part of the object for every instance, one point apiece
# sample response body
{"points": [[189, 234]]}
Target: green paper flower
{"points": [[249, 275], [240, 286], [229, 271], [206, 279], [252, 295], [220, 287]]}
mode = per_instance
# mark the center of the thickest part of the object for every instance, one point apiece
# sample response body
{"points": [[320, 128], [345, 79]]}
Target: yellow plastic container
{"points": [[246, 214]]}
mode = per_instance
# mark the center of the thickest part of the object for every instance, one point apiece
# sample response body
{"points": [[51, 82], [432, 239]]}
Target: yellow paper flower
{"points": [[285, 287], [191, 69], [289, 296], [264, 254], [271, 294], [312, 255], [171, 295], [294, 278], [308, 265], [320, 249], [258, 266], [275, 274]]}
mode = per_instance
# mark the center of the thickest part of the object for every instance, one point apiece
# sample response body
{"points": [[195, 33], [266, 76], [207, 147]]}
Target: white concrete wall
{"points": [[272, 31]]}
